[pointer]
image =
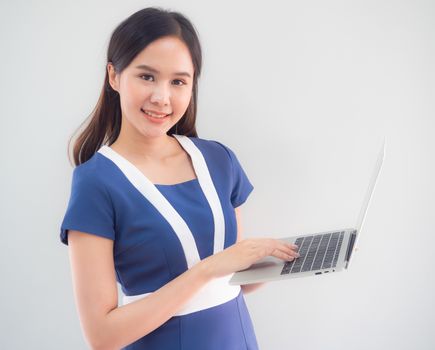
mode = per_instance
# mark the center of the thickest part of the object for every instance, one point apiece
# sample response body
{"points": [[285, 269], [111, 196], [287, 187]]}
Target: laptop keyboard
{"points": [[316, 252]]}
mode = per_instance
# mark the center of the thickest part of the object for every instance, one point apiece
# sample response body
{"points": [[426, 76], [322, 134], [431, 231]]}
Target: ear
{"points": [[113, 76]]}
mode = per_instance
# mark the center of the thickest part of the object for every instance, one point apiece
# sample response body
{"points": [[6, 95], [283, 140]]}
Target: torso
{"points": [[148, 255]]}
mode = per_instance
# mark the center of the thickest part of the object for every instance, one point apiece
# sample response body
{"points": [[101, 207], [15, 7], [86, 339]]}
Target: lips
{"points": [[156, 120], [154, 113]]}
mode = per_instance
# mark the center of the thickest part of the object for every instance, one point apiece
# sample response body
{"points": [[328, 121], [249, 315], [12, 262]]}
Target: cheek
{"points": [[136, 94], [183, 99], [132, 92]]}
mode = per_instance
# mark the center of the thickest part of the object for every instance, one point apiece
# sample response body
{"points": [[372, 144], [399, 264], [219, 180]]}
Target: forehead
{"points": [[167, 55]]}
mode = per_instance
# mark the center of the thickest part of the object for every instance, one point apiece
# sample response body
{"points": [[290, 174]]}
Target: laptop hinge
{"points": [[350, 245]]}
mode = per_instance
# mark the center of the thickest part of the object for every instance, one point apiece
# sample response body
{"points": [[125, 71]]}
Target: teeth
{"points": [[154, 115]]}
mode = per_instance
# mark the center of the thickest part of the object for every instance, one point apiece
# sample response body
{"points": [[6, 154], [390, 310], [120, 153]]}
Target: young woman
{"points": [[156, 208]]}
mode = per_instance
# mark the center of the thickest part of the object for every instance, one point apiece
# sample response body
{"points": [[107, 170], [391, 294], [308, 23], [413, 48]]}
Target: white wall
{"points": [[303, 92]]}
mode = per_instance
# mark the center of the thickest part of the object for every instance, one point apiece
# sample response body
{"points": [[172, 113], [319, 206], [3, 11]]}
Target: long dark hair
{"points": [[128, 39]]}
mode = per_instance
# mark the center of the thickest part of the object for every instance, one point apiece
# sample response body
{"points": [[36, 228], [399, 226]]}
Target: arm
{"points": [[104, 324], [247, 288]]}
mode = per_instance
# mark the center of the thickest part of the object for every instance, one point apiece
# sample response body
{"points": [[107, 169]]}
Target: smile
{"points": [[154, 115], [157, 120]]}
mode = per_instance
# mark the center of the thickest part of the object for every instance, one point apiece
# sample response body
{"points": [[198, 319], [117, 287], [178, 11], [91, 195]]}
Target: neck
{"points": [[152, 149]]}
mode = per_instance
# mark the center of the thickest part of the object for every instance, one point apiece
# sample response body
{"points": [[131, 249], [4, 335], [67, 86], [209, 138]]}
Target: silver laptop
{"points": [[320, 253]]}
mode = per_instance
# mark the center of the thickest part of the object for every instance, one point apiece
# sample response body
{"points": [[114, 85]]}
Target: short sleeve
{"points": [[89, 208], [241, 186]]}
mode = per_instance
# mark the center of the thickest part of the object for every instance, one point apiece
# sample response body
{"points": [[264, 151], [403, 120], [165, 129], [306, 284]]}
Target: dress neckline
{"points": [[160, 185], [180, 183]]}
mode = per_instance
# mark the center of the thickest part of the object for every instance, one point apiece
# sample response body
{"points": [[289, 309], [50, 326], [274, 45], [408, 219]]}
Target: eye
{"points": [[182, 82], [145, 75]]}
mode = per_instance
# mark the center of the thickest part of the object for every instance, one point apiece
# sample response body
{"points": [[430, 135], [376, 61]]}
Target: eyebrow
{"points": [[151, 69]]}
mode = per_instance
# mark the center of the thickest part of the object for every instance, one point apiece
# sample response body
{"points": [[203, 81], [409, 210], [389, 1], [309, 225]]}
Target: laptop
{"points": [[320, 253]]}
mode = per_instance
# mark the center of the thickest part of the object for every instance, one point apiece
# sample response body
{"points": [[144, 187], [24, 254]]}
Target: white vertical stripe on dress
{"points": [[208, 188]]}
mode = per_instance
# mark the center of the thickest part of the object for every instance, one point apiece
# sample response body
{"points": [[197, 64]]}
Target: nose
{"points": [[160, 95]]}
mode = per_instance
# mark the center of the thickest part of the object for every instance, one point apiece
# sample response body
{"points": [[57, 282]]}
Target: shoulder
{"points": [[213, 148], [91, 174]]}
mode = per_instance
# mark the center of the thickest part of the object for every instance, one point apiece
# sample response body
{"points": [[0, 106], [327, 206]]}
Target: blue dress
{"points": [[160, 231]]}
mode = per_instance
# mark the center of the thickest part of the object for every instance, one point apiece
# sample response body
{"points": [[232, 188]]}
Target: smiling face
{"points": [[160, 80]]}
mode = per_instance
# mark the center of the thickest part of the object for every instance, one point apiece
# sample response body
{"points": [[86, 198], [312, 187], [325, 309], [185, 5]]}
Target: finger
{"points": [[283, 256], [290, 248], [285, 247], [290, 251], [290, 245], [293, 254]]}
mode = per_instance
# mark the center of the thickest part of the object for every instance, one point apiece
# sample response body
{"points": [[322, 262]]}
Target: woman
{"points": [[156, 208]]}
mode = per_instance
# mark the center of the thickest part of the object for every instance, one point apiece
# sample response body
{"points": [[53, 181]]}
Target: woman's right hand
{"points": [[246, 252]]}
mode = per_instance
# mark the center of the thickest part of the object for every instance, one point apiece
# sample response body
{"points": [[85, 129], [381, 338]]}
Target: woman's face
{"points": [[163, 86]]}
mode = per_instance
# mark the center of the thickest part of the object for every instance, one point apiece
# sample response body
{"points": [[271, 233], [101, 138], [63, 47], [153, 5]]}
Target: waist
{"points": [[214, 293]]}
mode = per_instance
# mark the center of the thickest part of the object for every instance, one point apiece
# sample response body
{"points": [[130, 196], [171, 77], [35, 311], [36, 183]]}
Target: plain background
{"points": [[303, 92]]}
